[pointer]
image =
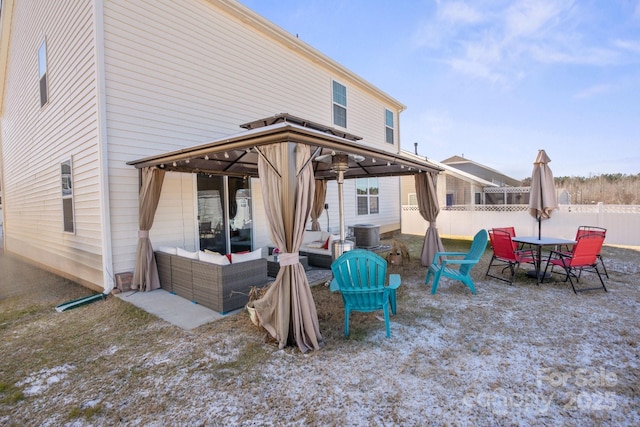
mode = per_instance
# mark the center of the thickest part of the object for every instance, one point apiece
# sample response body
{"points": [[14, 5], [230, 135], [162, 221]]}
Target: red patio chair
{"points": [[583, 257], [589, 229], [512, 233], [506, 255]]}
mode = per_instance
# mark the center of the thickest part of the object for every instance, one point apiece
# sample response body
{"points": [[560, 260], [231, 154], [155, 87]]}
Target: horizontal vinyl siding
{"points": [[388, 218], [35, 140], [184, 73]]}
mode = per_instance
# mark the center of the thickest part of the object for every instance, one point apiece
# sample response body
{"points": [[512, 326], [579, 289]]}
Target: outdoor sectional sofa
{"points": [[316, 246], [222, 288]]}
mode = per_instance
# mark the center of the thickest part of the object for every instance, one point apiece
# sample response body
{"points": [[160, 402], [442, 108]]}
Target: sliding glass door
{"points": [[224, 214]]}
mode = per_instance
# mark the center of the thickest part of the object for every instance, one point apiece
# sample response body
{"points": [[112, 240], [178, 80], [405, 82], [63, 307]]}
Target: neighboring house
{"points": [[454, 187], [89, 85], [457, 185], [503, 190], [481, 171]]}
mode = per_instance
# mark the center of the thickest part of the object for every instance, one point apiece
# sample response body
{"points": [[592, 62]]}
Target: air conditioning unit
{"points": [[367, 235]]}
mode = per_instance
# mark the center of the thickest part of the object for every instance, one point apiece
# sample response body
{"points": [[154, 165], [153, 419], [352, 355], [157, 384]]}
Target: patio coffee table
{"points": [[273, 266]]}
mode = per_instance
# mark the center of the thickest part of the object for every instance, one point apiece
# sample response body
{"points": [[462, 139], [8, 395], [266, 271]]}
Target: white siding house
{"points": [[129, 79]]}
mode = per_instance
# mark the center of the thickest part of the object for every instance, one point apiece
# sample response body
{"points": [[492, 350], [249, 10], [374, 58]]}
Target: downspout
{"points": [[103, 152]]}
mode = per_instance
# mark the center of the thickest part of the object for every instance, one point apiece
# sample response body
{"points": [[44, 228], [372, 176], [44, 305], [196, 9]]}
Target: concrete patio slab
{"points": [[172, 308]]}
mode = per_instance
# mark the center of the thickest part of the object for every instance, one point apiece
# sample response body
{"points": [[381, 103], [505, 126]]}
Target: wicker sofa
{"points": [[313, 248], [222, 288]]}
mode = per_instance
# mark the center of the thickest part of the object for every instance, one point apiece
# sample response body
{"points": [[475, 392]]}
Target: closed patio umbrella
{"points": [[542, 197]]}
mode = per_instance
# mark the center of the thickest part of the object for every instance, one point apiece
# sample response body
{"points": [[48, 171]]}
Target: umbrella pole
{"points": [[539, 227], [542, 207]]}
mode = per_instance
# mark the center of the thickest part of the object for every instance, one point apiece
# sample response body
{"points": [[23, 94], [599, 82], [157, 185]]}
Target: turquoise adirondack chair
{"points": [[442, 263], [360, 277]]}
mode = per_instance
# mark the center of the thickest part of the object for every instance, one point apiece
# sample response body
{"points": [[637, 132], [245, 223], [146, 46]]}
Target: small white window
{"points": [[67, 196], [339, 105], [42, 74], [389, 126], [368, 196]]}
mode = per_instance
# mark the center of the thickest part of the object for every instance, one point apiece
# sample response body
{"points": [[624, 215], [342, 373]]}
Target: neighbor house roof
{"points": [[458, 173], [480, 171]]}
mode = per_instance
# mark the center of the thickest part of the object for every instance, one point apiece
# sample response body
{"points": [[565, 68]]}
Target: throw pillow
{"points": [[171, 250], [213, 258], [242, 257], [326, 244], [315, 245], [187, 254]]}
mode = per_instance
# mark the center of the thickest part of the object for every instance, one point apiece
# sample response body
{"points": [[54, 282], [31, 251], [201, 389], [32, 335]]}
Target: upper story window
{"points": [[339, 104], [389, 126], [42, 74]]}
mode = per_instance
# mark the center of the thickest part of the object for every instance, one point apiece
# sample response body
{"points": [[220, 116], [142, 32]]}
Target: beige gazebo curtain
{"points": [[287, 310], [429, 210], [145, 273], [319, 197]]}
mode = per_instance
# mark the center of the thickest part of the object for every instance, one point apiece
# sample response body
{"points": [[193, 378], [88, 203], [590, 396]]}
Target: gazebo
{"points": [[284, 152]]}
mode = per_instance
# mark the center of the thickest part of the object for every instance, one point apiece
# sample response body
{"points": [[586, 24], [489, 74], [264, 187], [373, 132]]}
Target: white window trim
{"points": [[44, 74], [368, 197], [334, 104], [386, 126], [68, 196]]}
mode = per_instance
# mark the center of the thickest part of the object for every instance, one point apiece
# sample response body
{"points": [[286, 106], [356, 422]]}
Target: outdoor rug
{"points": [[318, 276]]}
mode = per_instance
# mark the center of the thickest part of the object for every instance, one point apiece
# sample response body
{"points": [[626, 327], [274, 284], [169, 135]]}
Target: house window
{"points": [[339, 105], [42, 74], [368, 196], [389, 127], [67, 196]]}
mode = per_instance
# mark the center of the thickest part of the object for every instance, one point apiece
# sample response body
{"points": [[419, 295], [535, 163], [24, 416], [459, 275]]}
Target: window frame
{"points": [[389, 129], [338, 105], [43, 73], [368, 196], [67, 198]]}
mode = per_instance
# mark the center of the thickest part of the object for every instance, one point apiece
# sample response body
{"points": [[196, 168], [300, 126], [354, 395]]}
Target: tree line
{"points": [[610, 189]]}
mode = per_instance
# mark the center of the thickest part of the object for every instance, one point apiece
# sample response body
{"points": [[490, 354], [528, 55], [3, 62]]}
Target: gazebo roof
{"points": [[237, 155]]}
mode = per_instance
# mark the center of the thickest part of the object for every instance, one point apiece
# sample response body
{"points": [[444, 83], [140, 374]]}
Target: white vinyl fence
{"points": [[621, 221]]}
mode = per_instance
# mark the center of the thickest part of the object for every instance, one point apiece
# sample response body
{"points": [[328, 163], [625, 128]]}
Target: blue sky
{"points": [[493, 80]]}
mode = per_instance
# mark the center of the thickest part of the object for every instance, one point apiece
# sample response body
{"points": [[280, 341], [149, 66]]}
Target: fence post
{"points": [[600, 214]]}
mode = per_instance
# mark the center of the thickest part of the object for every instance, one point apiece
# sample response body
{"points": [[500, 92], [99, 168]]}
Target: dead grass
{"points": [[469, 357]]}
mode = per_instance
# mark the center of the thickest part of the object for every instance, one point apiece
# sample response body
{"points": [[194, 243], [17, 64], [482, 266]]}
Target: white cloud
{"points": [[427, 35], [496, 42], [629, 45], [475, 68], [553, 54], [593, 91], [529, 18], [459, 12]]}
